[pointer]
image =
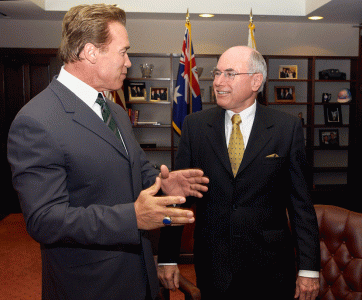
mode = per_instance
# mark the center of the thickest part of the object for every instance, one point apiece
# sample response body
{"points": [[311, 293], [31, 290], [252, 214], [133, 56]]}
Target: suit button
{"points": [[234, 207]]}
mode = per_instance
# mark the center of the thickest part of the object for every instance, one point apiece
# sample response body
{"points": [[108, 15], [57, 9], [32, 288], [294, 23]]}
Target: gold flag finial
{"points": [[251, 26], [187, 17]]}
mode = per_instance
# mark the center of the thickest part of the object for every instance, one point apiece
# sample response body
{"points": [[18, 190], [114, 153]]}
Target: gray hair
{"points": [[257, 64]]}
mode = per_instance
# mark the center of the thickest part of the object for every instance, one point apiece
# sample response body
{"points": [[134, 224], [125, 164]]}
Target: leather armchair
{"points": [[341, 253], [189, 289]]}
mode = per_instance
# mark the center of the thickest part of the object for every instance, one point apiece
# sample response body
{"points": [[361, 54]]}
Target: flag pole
{"points": [[190, 61]]}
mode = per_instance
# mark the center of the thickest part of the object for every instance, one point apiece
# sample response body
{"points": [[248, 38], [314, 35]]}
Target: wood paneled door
{"points": [[23, 74]]}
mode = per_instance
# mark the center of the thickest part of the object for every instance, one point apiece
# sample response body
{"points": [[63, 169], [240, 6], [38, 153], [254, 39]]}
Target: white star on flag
{"points": [[177, 94]]}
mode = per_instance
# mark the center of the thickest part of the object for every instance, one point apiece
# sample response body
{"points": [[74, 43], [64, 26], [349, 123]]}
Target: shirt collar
{"points": [[245, 115], [82, 90]]}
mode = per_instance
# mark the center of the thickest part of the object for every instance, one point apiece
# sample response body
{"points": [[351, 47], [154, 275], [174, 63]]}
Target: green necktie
{"points": [[107, 116], [236, 144]]}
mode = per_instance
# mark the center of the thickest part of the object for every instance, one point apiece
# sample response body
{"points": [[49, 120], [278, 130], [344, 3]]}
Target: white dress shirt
{"points": [[84, 92], [247, 119]]}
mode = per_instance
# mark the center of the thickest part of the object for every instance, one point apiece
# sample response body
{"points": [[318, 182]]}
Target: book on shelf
{"points": [[133, 115], [149, 123]]}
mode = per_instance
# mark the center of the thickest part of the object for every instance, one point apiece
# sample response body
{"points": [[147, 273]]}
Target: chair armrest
{"points": [[189, 289]]}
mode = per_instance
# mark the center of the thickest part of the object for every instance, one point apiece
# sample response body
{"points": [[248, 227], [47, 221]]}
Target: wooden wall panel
{"points": [[23, 74]]}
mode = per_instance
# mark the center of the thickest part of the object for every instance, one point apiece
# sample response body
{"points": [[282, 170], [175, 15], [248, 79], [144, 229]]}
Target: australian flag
{"points": [[187, 82]]}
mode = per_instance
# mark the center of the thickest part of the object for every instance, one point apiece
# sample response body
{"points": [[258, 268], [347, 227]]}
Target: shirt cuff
{"points": [[302, 273], [308, 273]]}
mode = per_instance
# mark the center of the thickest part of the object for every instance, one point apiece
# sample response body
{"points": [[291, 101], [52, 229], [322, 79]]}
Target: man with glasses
{"points": [[243, 246]]}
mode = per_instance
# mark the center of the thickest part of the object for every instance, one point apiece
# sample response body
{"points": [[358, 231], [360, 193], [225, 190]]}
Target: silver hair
{"points": [[257, 64]]}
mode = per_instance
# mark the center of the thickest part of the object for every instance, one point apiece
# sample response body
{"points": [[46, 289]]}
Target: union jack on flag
{"points": [[187, 73]]}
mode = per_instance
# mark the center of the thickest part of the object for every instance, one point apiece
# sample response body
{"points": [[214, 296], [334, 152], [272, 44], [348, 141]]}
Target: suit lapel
{"points": [[122, 125], [83, 115], [260, 135], [216, 137]]}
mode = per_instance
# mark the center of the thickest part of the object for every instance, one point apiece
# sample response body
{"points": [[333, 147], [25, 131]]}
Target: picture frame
{"points": [[288, 72], [284, 94], [137, 91], [333, 114], [158, 94], [329, 138]]}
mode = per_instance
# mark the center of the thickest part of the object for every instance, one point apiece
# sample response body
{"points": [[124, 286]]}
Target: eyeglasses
{"points": [[229, 75]]}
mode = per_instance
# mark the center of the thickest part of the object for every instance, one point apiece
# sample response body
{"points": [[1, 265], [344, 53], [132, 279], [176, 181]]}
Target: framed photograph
{"points": [[284, 94], [288, 72], [137, 91], [158, 94], [328, 138], [333, 114]]}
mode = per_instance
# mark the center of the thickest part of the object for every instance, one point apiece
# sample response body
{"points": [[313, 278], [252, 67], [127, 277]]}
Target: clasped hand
{"points": [[177, 185]]}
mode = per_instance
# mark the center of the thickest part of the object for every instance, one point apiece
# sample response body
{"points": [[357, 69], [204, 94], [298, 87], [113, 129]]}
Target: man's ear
{"points": [[90, 52], [256, 82]]}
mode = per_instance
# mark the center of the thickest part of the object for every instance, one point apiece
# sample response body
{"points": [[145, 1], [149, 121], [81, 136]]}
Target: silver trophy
{"points": [[146, 70]]}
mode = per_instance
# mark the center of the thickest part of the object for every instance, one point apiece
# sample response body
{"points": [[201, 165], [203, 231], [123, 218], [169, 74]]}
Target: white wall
{"points": [[165, 36], [30, 34]]}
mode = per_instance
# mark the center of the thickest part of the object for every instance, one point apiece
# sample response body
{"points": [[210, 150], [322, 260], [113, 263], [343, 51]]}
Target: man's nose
{"points": [[128, 63]]}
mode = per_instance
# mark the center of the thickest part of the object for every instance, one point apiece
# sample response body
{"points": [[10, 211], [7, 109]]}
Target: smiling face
{"points": [[239, 93], [110, 67]]}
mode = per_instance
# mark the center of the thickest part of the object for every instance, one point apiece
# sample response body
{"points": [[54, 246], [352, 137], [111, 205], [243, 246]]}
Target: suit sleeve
{"points": [[40, 178], [301, 210], [170, 237]]}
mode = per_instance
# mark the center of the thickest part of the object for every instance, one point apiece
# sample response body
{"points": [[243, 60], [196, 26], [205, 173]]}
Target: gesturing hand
{"points": [[151, 210], [187, 182]]}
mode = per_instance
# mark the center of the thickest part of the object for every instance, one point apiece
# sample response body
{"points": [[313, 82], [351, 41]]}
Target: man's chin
{"points": [[119, 84]]}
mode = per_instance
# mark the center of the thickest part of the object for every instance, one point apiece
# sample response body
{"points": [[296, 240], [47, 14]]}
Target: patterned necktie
{"points": [[236, 144], [107, 116]]}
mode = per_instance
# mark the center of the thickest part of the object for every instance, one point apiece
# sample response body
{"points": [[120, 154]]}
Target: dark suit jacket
{"points": [[241, 223], [77, 187]]}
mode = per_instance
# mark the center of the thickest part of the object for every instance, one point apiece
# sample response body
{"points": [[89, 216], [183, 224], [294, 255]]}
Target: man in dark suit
{"points": [[87, 191], [243, 247], [288, 95]]}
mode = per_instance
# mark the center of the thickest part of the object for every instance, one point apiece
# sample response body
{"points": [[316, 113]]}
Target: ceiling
{"points": [[333, 11]]}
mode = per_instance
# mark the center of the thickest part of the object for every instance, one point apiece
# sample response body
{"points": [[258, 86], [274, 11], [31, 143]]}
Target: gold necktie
{"points": [[236, 144]]}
